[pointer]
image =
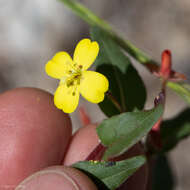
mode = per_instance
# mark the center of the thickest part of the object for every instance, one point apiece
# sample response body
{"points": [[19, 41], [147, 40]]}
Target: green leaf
{"points": [[109, 50], [174, 130], [125, 83], [182, 89], [162, 174], [120, 132], [110, 175]]}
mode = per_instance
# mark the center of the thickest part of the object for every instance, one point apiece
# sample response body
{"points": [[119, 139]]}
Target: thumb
{"points": [[57, 178]]}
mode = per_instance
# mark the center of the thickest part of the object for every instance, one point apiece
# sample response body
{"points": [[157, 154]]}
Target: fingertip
{"points": [[82, 143], [33, 133]]}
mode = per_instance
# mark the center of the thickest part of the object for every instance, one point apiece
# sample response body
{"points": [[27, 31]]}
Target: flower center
{"points": [[72, 80]]}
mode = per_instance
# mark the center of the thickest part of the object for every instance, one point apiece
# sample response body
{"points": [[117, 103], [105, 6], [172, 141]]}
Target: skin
{"points": [[36, 141]]}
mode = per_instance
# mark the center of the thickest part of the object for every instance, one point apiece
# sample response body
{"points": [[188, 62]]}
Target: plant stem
{"points": [[94, 20], [114, 101], [97, 153]]}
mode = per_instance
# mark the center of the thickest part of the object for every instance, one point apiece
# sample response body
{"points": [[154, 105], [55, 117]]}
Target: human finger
{"points": [[33, 134], [57, 178], [81, 144]]}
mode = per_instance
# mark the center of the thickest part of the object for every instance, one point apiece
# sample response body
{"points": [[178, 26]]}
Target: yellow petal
{"points": [[93, 85], [85, 53], [59, 66], [65, 99]]}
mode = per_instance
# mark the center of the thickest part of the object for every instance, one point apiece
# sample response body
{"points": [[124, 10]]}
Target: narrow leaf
{"points": [[182, 89], [120, 132], [176, 129], [125, 82], [110, 175]]}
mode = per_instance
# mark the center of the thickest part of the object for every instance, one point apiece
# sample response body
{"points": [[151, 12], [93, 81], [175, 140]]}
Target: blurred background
{"points": [[31, 32]]}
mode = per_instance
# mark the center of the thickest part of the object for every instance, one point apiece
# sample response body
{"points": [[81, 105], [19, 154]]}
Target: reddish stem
{"points": [[97, 153], [84, 118], [154, 137]]}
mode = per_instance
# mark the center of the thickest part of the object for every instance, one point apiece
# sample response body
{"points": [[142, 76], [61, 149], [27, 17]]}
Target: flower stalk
{"points": [[114, 101]]}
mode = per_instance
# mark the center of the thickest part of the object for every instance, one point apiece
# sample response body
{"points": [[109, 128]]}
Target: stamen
{"points": [[76, 77], [74, 89], [80, 66], [70, 83]]}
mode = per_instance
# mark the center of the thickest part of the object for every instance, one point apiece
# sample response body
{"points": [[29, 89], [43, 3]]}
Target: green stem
{"points": [[182, 89], [86, 14], [94, 20]]}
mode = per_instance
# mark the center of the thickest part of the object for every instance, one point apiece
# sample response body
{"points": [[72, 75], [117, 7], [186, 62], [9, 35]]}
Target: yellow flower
{"points": [[74, 77]]}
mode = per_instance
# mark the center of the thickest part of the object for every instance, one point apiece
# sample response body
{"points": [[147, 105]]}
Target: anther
{"points": [[70, 83]]}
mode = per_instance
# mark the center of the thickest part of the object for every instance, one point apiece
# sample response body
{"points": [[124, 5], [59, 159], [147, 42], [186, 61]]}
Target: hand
{"points": [[35, 135]]}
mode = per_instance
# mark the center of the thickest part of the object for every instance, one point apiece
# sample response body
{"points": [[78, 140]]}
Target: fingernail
{"points": [[48, 180]]}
